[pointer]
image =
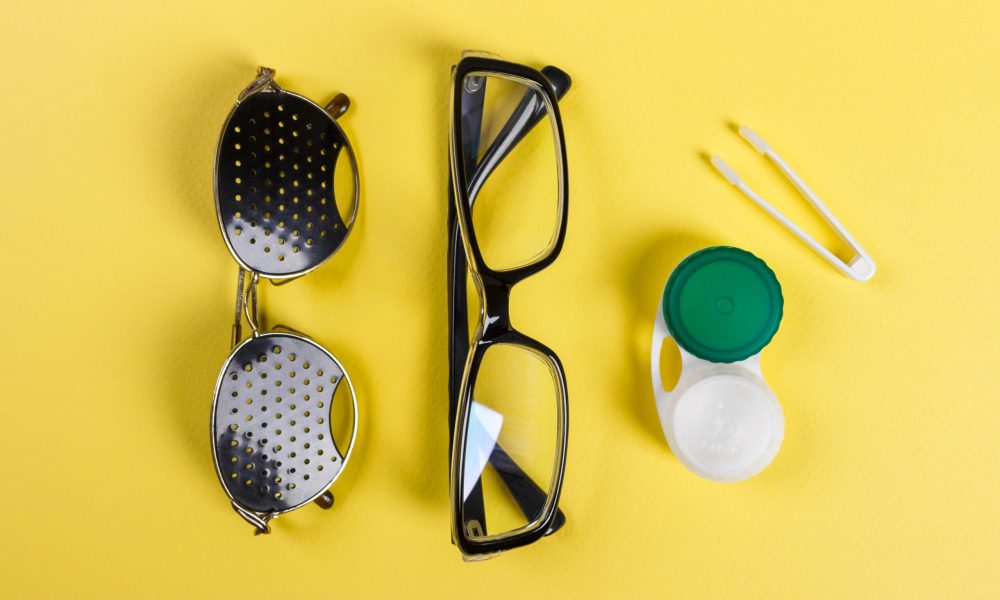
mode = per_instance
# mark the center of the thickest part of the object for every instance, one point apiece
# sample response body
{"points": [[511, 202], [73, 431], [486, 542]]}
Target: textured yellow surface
{"points": [[118, 291]]}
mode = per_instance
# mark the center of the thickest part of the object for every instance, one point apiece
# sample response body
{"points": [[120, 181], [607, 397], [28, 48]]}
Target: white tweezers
{"points": [[861, 267]]}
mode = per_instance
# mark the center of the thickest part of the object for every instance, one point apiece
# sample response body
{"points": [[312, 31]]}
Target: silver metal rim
{"points": [[215, 399]]}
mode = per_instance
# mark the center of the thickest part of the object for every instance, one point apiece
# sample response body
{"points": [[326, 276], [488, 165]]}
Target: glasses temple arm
{"points": [[237, 321], [458, 348], [525, 491], [472, 102]]}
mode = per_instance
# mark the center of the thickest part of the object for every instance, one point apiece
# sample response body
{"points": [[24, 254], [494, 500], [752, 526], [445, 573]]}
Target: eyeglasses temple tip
{"points": [[560, 80]]}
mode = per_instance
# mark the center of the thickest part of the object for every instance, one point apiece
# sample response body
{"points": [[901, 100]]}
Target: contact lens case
{"points": [[722, 306]]}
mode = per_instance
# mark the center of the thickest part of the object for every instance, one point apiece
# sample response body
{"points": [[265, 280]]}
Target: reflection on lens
{"points": [[512, 434], [516, 212]]}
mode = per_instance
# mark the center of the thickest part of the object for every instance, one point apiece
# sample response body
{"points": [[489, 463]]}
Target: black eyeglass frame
{"points": [[494, 288]]}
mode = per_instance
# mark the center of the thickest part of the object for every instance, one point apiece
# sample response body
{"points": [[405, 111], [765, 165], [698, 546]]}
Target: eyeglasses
{"points": [[507, 221], [275, 441]]}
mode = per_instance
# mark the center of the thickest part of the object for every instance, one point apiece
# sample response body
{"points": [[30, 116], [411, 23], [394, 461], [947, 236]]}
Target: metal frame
{"points": [[246, 295], [494, 287]]}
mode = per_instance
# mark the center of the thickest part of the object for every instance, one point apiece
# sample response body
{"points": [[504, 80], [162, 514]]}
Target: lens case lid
{"points": [[721, 305]]}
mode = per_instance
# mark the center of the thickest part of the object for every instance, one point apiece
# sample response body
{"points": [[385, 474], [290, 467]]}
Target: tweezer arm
{"points": [[528, 113]]}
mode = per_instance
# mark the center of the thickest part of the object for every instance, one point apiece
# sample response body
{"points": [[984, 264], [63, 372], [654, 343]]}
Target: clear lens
{"points": [[517, 209], [343, 184], [342, 416], [513, 433]]}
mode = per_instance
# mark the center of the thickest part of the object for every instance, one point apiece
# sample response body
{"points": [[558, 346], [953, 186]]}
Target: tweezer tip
{"points": [[755, 140]]}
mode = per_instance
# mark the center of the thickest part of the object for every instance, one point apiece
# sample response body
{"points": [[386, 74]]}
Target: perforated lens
{"points": [[274, 445], [513, 434], [517, 208], [275, 182]]}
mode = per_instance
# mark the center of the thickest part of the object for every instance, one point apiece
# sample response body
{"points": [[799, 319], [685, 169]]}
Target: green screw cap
{"points": [[723, 304]]}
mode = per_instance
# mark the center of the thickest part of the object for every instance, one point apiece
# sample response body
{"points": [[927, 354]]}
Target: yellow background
{"points": [[118, 294]]}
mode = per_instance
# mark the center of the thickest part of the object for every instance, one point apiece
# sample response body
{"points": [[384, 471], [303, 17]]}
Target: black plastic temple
{"points": [[472, 117], [526, 492], [528, 113]]}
